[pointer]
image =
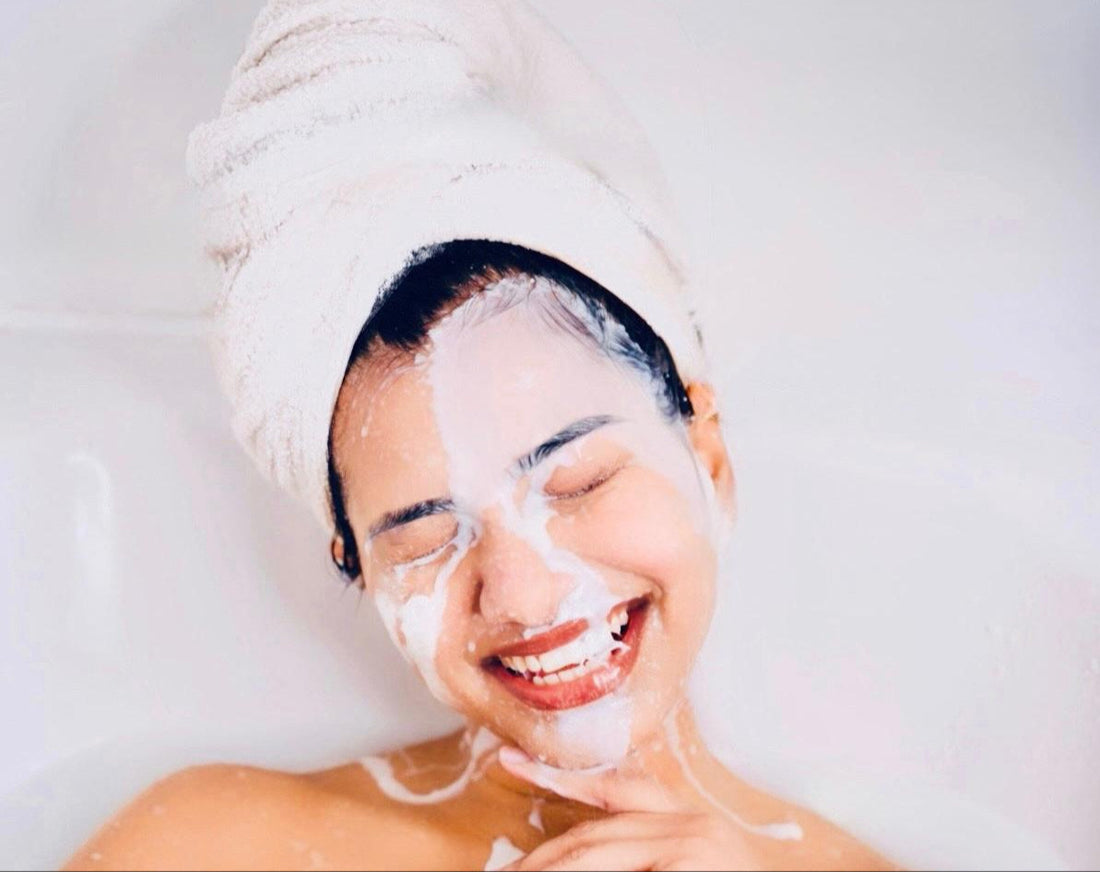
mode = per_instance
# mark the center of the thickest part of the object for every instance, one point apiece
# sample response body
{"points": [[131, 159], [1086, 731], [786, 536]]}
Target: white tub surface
{"points": [[895, 209]]}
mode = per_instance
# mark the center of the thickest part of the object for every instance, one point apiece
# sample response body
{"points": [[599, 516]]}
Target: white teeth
{"points": [[548, 661], [516, 664], [564, 656], [574, 659]]}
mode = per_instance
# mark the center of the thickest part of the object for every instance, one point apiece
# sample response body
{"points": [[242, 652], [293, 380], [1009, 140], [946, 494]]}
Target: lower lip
{"points": [[588, 687]]}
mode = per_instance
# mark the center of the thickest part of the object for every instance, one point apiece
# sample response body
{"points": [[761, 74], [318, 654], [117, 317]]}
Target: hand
{"points": [[648, 827]]}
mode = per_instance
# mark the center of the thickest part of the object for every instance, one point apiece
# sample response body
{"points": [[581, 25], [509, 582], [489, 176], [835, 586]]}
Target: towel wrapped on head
{"points": [[355, 133]]}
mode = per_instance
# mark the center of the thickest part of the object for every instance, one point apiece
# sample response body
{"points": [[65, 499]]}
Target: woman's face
{"points": [[538, 537]]}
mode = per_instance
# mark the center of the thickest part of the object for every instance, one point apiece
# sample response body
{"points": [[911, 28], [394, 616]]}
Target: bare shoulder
{"points": [[225, 816], [825, 846], [814, 843]]}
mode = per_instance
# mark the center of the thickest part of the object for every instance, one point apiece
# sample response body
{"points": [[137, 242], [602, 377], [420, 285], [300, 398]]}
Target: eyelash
{"points": [[600, 479], [426, 557]]}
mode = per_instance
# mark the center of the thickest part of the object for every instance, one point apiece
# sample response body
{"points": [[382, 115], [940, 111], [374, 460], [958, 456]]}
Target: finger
{"points": [[603, 787], [629, 826], [628, 855]]}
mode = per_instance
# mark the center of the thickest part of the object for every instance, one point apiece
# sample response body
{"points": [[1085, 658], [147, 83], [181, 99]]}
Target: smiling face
{"points": [[538, 536]]}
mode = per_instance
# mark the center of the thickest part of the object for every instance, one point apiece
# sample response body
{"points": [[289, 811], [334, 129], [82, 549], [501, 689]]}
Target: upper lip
{"points": [[553, 638]]}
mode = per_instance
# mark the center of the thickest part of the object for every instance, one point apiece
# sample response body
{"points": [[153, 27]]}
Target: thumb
{"points": [[600, 786]]}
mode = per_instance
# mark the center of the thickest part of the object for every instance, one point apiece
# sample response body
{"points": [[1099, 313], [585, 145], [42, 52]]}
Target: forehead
{"points": [[517, 361], [480, 394]]}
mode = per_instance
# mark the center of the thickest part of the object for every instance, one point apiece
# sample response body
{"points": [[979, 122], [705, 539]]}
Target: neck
{"points": [[674, 755]]}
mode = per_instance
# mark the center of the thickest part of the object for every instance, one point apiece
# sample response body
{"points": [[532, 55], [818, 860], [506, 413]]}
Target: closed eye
{"points": [[426, 557], [592, 484], [418, 542]]}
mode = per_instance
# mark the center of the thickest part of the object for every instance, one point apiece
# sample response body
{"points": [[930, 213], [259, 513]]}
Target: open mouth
{"points": [[572, 665]]}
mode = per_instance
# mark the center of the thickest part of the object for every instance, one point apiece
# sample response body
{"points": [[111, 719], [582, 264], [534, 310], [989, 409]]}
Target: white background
{"points": [[894, 209]]}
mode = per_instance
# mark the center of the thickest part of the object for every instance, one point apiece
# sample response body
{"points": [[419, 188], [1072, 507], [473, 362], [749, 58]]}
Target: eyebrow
{"points": [[525, 463], [522, 464], [408, 514]]}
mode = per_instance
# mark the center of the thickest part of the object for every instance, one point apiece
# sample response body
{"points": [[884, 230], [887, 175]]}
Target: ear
{"points": [[353, 574], [336, 549], [705, 432]]}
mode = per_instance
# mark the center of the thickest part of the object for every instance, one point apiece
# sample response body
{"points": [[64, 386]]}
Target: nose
{"points": [[516, 584]]}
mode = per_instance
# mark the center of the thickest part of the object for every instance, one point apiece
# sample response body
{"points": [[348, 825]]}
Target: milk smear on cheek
{"points": [[415, 623]]}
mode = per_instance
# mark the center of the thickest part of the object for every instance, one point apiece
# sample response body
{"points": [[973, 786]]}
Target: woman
{"points": [[519, 458]]}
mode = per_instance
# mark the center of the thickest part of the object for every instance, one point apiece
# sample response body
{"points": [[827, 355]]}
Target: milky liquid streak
{"points": [[783, 831], [481, 743], [416, 624], [502, 853], [480, 403]]}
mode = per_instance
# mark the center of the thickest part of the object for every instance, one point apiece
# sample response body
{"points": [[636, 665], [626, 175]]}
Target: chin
{"points": [[601, 733]]}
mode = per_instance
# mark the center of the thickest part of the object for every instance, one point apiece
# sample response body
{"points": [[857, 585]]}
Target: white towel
{"points": [[354, 132]]}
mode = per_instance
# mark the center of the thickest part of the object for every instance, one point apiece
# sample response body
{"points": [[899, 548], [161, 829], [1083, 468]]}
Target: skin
{"points": [[669, 804]]}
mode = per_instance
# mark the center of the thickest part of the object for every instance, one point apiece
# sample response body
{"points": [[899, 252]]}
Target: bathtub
{"points": [[897, 282]]}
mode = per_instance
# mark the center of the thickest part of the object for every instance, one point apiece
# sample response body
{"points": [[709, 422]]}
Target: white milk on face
{"points": [[420, 617], [486, 416], [589, 598], [600, 730]]}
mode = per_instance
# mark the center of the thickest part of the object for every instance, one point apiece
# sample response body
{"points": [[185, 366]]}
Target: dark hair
{"points": [[438, 278]]}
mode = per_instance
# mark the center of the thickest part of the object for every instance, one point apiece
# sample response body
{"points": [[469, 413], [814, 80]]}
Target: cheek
{"points": [[642, 525], [457, 664], [425, 610], [458, 628]]}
